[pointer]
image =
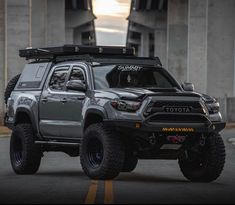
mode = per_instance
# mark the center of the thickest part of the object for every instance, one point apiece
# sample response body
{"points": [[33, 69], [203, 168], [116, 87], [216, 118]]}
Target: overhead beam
{"points": [[73, 16]]}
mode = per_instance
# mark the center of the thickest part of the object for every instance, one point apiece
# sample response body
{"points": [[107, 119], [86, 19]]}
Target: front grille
{"points": [[160, 107], [179, 118], [177, 103]]}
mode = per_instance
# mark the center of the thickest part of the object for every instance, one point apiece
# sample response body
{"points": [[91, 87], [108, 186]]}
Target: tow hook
{"points": [[202, 141], [152, 139]]}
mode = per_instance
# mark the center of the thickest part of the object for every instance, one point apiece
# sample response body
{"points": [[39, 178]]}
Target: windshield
{"points": [[127, 76]]}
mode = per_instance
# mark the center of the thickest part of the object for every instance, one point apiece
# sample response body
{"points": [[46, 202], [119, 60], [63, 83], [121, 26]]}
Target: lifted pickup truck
{"points": [[111, 109]]}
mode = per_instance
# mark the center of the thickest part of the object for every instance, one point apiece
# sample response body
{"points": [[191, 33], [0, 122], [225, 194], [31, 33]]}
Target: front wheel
{"points": [[102, 152], [207, 164], [130, 161]]}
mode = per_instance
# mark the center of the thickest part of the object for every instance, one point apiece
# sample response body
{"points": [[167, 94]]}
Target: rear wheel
{"points": [[102, 152], [207, 164], [25, 155]]}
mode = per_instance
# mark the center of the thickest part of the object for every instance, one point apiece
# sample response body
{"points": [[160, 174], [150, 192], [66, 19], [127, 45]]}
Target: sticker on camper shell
{"points": [[129, 68]]}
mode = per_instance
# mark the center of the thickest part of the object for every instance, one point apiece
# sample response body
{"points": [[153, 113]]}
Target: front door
{"points": [[73, 106]]}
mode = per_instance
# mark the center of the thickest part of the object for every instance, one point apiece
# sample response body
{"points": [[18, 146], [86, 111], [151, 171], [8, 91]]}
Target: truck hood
{"points": [[141, 93]]}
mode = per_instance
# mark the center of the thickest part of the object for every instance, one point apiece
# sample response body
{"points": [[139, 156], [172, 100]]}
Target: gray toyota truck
{"points": [[111, 109]]}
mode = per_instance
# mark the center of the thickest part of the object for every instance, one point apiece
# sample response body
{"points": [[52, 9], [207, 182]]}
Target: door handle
{"points": [[64, 100], [44, 100], [81, 97]]}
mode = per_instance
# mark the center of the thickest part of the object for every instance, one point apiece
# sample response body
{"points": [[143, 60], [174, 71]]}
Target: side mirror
{"points": [[76, 85], [188, 87]]}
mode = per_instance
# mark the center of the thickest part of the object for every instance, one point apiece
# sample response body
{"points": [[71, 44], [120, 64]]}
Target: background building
{"points": [[34, 23], [195, 39]]}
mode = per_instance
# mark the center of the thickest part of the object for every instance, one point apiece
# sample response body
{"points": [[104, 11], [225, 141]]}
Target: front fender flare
{"points": [[29, 113]]}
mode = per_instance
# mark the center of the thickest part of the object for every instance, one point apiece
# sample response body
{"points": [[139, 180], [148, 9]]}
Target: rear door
{"points": [[51, 105]]}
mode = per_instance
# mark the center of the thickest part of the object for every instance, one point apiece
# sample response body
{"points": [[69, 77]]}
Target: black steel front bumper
{"points": [[166, 127]]}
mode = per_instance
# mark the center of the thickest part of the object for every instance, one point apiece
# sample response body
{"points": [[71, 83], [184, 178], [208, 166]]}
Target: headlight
{"points": [[213, 107], [124, 105]]}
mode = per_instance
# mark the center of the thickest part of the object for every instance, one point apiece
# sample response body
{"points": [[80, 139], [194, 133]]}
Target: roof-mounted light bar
{"points": [[66, 50]]}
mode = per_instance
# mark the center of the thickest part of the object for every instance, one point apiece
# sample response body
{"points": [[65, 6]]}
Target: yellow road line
{"points": [[108, 195], [91, 194]]}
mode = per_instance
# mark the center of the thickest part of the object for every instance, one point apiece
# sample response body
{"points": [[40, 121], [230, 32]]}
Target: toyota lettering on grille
{"points": [[177, 109]]}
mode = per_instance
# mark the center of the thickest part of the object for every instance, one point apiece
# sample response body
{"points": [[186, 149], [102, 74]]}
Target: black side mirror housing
{"points": [[188, 87], [76, 85]]}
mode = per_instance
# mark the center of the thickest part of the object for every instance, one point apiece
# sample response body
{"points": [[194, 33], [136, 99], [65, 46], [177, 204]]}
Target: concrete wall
{"points": [[197, 44], [38, 23], [18, 34], [32, 23], [144, 49], [74, 28], [177, 38], [48, 23], [221, 36], [227, 108], [160, 37], [2, 57], [55, 22]]}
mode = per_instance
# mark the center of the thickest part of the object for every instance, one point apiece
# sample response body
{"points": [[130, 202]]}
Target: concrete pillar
{"points": [[69, 35], [197, 44], [55, 22], [2, 56], [77, 36], [160, 36], [160, 45], [39, 22], [18, 34], [177, 38], [221, 36], [144, 45]]}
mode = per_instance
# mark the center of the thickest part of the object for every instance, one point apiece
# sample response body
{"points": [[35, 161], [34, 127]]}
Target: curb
{"points": [[230, 125], [4, 135]]}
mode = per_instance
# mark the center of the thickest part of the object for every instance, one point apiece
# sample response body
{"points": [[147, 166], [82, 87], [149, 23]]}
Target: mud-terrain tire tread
{"points": [[114, 152], [130, 162], [215, 164], [32, 154]]}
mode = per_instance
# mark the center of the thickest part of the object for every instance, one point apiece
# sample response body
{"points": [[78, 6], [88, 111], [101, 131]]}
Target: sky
{"points": [[111, 23]]}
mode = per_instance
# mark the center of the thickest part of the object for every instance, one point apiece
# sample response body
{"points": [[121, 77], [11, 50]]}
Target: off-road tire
{"points": [[10, 87], [25, 155], [130, 161], [112, 155], [213, 164]]}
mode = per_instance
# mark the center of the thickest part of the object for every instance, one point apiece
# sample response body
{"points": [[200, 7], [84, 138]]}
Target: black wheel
{"points": [[10, 87], [102, 152], [207, 164], [130, 161], [25, 155]]}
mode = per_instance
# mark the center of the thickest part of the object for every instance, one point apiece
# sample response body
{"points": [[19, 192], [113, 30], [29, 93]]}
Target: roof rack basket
{"points": [[68, 50]]}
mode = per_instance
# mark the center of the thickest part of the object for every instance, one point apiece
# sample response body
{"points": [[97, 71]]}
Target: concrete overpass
{"points": [[195, 39], [34, 23]]}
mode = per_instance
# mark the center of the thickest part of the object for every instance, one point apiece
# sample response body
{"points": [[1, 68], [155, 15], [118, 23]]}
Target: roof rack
{"points": [[67, 50]]}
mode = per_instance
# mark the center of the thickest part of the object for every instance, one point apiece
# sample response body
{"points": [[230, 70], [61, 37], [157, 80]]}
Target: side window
{"points": [[77, 74], [58, 78]]}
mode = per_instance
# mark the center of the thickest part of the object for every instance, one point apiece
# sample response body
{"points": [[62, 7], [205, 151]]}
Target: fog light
{"points": [[137, 125]]}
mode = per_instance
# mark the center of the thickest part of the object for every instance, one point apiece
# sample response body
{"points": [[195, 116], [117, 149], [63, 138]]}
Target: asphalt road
{"points": [[61, 180]]}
